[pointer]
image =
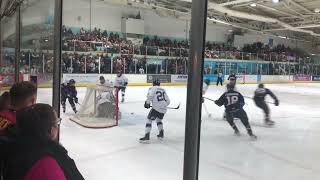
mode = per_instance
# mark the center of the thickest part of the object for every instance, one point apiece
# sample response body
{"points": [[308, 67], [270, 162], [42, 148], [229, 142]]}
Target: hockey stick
{"points": [[215, 100], [173, 107], [253, 99], [209, 99]]}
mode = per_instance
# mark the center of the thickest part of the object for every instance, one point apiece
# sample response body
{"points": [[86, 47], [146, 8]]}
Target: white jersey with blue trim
{"points": [[159, 99], [204, 88], [121, 81]]}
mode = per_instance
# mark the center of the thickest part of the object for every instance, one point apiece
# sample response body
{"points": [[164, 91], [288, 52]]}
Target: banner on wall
{"points": [[259, 77], [164, 78], [241, 78], [179, 78], [315, 78], [301, 77], [211, 77], [83, 78]]}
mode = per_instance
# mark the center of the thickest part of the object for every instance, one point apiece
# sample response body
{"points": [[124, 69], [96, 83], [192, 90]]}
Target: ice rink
{"points": [[288, 151]]}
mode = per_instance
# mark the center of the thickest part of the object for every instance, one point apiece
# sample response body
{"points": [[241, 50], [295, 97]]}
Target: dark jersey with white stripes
{"points": [[261, 93], [232, 77], [232, 100]]}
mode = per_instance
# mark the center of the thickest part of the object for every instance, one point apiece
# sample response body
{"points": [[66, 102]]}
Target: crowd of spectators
{"points": [[110, 42], [277, 53], [89, 63], [95, 40], [100, 51]]}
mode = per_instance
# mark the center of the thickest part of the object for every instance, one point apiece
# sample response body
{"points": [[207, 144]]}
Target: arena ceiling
{"points": [[8, 7], [291, 19]]}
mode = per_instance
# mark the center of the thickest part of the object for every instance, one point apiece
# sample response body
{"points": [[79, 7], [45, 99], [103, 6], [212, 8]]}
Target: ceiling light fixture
{"points": [[275, 1], [219, 21], [282, 37], [253, 5]]}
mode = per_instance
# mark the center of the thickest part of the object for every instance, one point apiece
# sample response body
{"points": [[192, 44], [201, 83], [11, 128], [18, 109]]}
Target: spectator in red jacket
{"points": [[36, 154]]}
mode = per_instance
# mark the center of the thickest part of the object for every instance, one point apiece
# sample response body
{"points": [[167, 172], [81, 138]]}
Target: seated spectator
{"points": [[5, 101], [22, 95], [36, 154]]}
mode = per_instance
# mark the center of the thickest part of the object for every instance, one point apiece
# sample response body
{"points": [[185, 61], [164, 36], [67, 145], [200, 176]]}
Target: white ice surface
{"points": [[289, 151]]}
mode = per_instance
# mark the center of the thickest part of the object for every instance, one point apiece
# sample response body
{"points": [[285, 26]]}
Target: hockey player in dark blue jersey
{"points": [[234, 102], [232, 79], [259, 99], [68, 91]]}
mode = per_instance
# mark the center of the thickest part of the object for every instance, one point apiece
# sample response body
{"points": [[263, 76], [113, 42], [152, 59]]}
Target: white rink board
{"points": [[142, 78], [276, 78], [251, 78], [93, 78]]}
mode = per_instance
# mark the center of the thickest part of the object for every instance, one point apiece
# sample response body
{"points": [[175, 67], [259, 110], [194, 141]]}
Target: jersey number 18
{"points": [[232, 99]]}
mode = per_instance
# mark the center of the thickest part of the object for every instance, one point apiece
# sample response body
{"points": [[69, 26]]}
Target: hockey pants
{"points": [[71, 101], [263, 105], [242, 115]]}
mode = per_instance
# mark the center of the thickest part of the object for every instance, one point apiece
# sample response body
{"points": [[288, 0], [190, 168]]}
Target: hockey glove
{"points": [[276, 102], [217, 103], [146, 105], [125, 84]]}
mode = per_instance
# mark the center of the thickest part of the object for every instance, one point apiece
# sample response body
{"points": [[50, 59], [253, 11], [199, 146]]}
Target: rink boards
{"points": [[174, 80]]}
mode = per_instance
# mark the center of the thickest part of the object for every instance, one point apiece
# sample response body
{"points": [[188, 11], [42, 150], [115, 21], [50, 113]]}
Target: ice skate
{"points": [[269, 122], [253, 137], [145, 139], [237, 133], [160, 135]]}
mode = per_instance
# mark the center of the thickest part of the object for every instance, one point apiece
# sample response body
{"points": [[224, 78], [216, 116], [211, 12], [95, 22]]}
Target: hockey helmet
{"points": [[230, 87], [72, 81], [207, 81], [119, 73], [101, 78], [261, 86], [156, 82]]}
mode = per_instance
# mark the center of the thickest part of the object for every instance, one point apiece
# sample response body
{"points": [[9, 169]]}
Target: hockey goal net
{"points": [[99, 108]]}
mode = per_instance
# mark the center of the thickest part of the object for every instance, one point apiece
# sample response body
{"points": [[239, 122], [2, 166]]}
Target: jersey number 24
{"points": [[161, 96]]}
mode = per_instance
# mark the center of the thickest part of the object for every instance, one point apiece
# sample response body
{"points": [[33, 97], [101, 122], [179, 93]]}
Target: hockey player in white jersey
{"points": [[121, 83], [158, 98], [105, 105], [205, 86]]}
